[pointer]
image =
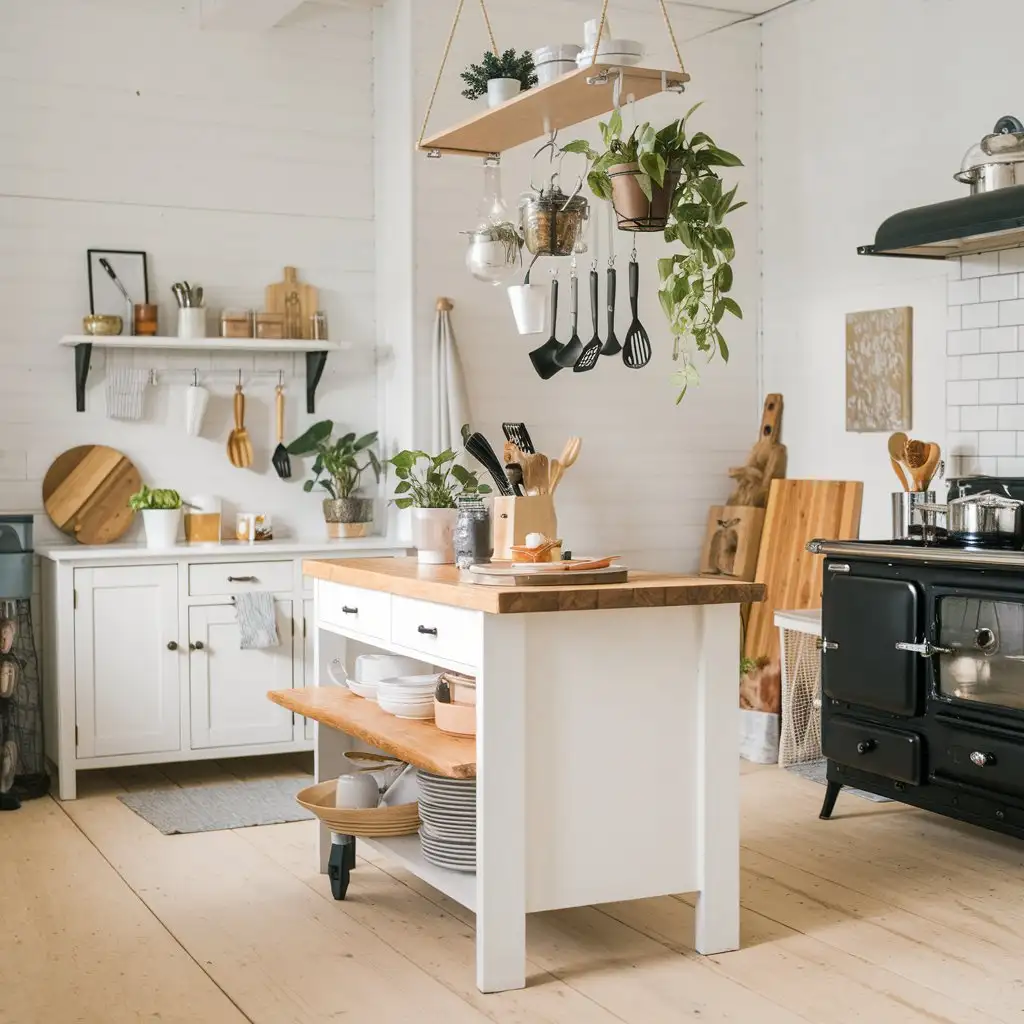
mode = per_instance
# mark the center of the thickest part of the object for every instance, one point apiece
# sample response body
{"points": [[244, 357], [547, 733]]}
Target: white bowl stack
{"points": [[554, 61], [407, 696], [612, 51], [448, 821], [370, 669]]}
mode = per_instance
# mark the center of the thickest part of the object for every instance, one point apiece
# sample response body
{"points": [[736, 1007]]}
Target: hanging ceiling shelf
{"points": [[534, 114]]}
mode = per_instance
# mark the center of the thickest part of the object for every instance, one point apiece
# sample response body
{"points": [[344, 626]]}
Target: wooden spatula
{"points": [[239, 444]]}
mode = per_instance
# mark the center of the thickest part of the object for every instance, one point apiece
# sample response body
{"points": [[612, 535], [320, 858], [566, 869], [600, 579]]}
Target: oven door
{"points": [[863, 618], [982, 640]]}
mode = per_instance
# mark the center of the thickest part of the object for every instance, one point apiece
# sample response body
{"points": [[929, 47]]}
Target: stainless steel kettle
{"points": [[997, 161]]}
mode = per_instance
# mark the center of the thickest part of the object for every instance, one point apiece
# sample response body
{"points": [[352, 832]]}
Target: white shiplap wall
{"points": [[224, 155]]}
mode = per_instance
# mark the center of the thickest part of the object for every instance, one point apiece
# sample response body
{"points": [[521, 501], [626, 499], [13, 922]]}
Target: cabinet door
{"points": [[126, 675], [308, 655], [228, 686]]}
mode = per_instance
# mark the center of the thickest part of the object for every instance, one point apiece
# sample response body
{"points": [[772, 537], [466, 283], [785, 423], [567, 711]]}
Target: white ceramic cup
{"points": [[529, 307], [192, 322], [357, 789], [196, 400]]}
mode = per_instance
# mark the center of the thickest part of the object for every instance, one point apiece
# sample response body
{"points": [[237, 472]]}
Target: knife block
{"points": [[514, 518]]}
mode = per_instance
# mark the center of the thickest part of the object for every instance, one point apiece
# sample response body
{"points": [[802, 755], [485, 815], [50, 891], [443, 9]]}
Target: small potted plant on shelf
{"points": [[161, 515], [499, 78], [432, 492], [337, 468], [663, 180]]}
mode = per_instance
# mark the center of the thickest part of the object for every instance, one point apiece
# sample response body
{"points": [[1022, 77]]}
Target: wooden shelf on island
{"points": [[575, 97], [418, 742]]}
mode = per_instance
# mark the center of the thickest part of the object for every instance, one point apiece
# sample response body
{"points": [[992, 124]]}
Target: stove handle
{"points": [[926, 650]]}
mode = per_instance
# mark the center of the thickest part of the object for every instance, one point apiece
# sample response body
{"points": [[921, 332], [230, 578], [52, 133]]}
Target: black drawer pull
{"points": [[865, 746], [349, 611], [242, 579], [982, 759], [429, 630]]}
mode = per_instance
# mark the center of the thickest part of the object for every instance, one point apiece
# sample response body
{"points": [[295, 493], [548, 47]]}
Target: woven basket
{"points": [[371, 822]]}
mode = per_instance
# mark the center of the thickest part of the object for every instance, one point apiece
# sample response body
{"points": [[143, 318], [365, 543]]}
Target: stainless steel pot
{"points": [[982, 520], [997, 161]]}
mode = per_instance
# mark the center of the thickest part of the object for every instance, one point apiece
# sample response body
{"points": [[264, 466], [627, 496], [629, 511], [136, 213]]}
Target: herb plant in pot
{"points": [[337, 468], [161, 515], [432, 491], [499, 78]]}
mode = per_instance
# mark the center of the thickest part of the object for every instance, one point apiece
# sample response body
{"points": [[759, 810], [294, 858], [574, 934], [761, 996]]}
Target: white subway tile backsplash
{"points": [[1011, 364], [1010, 467], [963, 443], [973, 466], [953, 417], [964, 291], [1011, 312], [953, 318], [997, 442], [980, 264], [998, 392], [962, 392], [1020, 442], [1002, 286], [963, 343], [953, 269], [13, 464], [1011, 417], [979, 417], [997, 339], [980, 314], [1011, 260], [953, 367], [979, 367]]}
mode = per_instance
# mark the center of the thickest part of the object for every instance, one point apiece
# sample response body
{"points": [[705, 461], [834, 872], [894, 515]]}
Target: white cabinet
{"points": [[127, 660], [308, 656], [228, 686]]}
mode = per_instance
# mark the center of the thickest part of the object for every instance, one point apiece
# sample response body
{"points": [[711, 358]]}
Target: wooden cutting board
{"points": [[798, 511], [86, 492], [296, 300]]}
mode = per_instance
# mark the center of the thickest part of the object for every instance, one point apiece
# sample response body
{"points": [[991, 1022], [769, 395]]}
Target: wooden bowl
{"points": [[457, 719], [403, 820], [102, 325]]}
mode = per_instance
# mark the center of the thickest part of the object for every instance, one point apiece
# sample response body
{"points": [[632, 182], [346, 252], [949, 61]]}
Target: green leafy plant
{"points": [[339, 464], [508, 65], [160, 498], [438, 485], [695, 282]]}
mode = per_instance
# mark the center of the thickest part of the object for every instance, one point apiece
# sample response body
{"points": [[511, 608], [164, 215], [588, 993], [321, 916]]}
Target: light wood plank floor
{"points": [[882, 915]]}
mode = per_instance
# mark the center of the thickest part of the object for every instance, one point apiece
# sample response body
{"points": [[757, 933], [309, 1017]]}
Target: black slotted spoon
{"points": [[612, 345], [543, 358], [636, 352], [592, 350]]}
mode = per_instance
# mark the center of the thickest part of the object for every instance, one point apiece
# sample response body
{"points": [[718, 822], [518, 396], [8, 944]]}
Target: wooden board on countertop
{"points": [[418, 742], [297, 301], [798, 511], [442, 585], [86, 492]]}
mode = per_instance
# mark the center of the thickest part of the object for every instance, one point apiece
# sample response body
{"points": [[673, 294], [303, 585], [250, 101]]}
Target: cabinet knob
{"points": [[865, 746], [197, 646], [173, 645], [346, 610], [982, 759], [429, 630]]}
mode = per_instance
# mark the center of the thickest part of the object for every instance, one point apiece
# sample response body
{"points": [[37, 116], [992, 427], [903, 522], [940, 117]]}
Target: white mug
{"points": [[357, 789]]}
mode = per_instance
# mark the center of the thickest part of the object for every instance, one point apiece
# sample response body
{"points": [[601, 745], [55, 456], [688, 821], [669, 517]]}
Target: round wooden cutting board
{"points": [[86, 492]]}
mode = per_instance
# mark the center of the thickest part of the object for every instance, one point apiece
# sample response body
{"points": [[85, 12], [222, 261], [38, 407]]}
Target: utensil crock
{"points": [[192, 322]]}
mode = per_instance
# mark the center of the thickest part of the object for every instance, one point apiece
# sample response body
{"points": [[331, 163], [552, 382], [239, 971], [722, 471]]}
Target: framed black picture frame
{"points": [[132, 269]]}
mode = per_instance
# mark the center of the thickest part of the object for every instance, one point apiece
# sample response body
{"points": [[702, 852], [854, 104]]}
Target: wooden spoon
{"points": [[570, 453], [927, 471], [897, 447], [239, 444]]}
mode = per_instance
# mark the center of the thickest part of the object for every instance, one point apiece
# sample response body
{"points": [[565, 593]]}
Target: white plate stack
{"points": [[448, 821], [407, 696]]}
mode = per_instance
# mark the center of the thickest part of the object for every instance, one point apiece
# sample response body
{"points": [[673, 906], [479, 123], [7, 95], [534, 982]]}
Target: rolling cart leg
{"points": [[341, 863], [831, 792]]}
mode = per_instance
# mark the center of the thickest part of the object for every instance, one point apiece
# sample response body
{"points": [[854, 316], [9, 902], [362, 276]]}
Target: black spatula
{"points": [[592, 350]]}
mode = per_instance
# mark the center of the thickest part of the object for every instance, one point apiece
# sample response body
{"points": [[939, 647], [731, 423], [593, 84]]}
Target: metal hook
{"points": [[239, 376], [280, 378], [195, 378]]}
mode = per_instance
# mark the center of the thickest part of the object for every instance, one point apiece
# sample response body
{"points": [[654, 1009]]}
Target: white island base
{"points": [[593, 726]]}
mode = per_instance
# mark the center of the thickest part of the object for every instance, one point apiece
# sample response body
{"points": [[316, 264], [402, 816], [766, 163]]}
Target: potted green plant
{"points": [[161, 515], [499, 78], [338, 467], [432, 492], [680, 192]]}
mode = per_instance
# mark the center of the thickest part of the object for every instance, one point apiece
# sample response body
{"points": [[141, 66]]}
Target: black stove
{"points": [[922, 673]]}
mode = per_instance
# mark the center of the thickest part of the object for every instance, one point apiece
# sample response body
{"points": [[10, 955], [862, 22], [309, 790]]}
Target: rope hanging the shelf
{"points": [[602, 22]]}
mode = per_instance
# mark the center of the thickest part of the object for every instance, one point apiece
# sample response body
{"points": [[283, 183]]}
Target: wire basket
{"points": [[800, 739]]}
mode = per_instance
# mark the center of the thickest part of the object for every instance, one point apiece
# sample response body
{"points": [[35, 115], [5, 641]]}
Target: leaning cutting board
{"points": [[86, 492], [296, 300], [798, 511]]}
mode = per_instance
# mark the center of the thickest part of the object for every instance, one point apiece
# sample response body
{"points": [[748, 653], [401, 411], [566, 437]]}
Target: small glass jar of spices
{"points": [[472, 537]]}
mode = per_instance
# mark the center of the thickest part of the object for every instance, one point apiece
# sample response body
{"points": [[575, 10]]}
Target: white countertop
{"points": [[228, 549]]}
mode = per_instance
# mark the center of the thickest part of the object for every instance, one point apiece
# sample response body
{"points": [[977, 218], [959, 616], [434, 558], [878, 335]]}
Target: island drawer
{"points": [[210, 578], [436, 629], [353, 608]]}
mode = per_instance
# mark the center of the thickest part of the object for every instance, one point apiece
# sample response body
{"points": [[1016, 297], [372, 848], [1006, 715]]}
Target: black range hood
{"points": [[959, 227]]}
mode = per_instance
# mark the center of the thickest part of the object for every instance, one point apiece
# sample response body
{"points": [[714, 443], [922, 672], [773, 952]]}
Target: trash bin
{"points": [[15, 557]]}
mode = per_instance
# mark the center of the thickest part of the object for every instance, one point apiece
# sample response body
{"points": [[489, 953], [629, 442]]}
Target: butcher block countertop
{"points": [[440, 584]]}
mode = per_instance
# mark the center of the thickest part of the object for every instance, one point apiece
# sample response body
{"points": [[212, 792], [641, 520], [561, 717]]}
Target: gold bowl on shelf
{"points": [[102, 324]]}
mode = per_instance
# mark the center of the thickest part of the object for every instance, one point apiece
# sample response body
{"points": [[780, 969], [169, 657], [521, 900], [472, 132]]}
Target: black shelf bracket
{"points": [[315, 363], [83, 353]]}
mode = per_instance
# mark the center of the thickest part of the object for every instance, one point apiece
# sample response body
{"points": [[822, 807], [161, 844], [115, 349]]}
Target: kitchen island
{"points": [[606, 754]]}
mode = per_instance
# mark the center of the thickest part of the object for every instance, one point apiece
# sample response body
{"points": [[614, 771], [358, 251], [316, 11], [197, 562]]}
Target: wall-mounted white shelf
{"points": [[316, 353]]}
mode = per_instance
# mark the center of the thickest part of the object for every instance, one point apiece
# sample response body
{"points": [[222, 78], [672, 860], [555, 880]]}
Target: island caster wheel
{"points": [[831, 792], [341, 863]]}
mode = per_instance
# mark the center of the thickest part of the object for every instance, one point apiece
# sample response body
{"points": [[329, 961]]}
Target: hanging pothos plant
{"points": [[695, 282]]}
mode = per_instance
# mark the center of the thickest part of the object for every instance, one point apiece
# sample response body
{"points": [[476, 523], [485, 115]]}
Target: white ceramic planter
{"points": [[162, 526], [432, 535], [529, 306], [501, 89]]}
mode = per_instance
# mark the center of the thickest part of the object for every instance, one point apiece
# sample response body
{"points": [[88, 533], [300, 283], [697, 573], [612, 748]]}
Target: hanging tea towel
{"points": [[257, 623], [125, 390]]}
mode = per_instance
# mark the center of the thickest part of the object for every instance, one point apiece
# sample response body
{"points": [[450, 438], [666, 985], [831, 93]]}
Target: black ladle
{"points": [[612, 347], [543, 358], [574, 346], [592, 350]]}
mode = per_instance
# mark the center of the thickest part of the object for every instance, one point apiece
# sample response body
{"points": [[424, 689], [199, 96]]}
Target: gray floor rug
{"points": [[814, 771], [207, 808]]}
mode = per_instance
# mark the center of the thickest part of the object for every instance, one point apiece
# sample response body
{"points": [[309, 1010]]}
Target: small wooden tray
{"points": [[513, 578], [403, 820]]}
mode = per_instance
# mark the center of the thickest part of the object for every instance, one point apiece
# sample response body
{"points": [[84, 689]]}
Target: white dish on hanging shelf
{"points": [[613, 51]]}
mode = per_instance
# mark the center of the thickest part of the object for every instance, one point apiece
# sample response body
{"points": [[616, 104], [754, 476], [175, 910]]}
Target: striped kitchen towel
{"points": [[257, 623], [126, 388]]}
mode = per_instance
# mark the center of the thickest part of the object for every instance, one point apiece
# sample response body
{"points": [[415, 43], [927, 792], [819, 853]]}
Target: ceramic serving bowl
{"points": [[100, 324]]}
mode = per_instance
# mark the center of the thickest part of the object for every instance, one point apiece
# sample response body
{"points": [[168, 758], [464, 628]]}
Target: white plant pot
{"points": [[162, 526], [432, 535], [529, 306], [499, 90]]}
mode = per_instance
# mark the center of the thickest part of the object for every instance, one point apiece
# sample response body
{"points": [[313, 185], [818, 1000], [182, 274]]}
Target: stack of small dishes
{"points": [[370, 669], [612, 51], [407, 696], [448, 821]]}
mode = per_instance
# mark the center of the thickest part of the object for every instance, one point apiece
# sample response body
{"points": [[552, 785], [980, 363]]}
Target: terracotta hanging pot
{"points": [[635, 212]]}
